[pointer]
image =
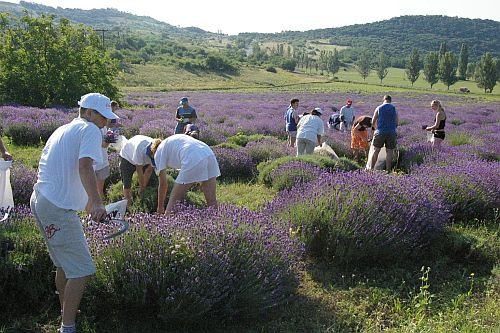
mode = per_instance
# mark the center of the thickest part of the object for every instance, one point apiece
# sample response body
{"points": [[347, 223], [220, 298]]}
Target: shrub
{"points": [[271, 69], [241, 139], [23, 135], [25, 267], [267, 148], [224, 264], [470, 185], [266, 168], [354, 217], [23, 179], [235, 164], [292, 174]]}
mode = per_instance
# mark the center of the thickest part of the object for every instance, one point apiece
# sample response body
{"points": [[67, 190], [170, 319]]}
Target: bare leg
{"points": [[388, 160], [177, 194], [60, 285], [209, 189], [70, 295], [292, 141], [374, 157]]}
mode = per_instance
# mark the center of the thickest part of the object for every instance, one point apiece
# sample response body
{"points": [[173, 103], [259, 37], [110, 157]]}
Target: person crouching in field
{"points": [[310, 129], [67, 183], [137, 154], [360, 137], [197, 164]]}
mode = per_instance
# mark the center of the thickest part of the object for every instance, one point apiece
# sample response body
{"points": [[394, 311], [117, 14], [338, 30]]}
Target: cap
{"points": [[191, 128], [349, 102], [318, 110], [183, 100], [98, 102]]}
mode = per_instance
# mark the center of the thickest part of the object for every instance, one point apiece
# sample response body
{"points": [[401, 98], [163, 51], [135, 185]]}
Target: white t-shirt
{"points": [[348, 113], [58, 170], [134, 150], [180, 151], [309, 127], [104, 163]]}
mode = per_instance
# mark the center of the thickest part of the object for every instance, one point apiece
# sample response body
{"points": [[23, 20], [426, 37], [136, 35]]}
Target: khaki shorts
{"points": [[204, 170], [387, 140], [292, 134], [63, 234]]}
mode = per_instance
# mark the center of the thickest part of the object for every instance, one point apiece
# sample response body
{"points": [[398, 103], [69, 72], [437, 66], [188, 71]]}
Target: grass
{"points": [[28, 155], [169, 78]]}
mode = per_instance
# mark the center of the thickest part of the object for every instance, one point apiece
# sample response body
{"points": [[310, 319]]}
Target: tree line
{"points": [[44, 63]]}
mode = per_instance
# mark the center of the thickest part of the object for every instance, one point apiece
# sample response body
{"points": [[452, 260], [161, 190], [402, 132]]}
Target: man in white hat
{"points": [[310, 129], [66, 184]]}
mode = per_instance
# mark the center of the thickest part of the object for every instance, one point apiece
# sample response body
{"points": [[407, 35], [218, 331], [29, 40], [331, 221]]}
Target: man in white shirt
{"points": [[347, 116], [66, 184]]}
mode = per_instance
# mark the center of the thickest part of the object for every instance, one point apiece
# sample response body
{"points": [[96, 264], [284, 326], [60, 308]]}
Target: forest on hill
{"points": [[397, 36]]}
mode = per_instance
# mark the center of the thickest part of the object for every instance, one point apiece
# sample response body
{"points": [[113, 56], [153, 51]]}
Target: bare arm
{"points": [[374, 119], [436, 122], [87, 175], [162, 192]]}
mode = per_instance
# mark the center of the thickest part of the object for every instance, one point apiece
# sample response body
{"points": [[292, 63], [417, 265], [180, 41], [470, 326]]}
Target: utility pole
{"points": [[102, 31]]}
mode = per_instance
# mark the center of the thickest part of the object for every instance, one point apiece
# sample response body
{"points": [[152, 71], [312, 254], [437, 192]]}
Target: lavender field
{"points": [[211, 269]]}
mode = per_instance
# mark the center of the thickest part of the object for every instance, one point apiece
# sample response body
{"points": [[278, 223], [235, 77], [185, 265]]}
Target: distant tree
{"points": [[431, 67], [288, 64], [44, 64], [443, 48], [448, 69], [413, 66], [463, 60], [487, 73], [363, 65], [333, 62], [382, 64], [471, 68]]}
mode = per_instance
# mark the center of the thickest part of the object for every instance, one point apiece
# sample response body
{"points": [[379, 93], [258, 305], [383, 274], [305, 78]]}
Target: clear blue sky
{"points": [[233, 16]]}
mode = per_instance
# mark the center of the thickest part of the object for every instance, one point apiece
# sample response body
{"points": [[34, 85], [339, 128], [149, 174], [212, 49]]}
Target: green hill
{"points": [[396, 36]]}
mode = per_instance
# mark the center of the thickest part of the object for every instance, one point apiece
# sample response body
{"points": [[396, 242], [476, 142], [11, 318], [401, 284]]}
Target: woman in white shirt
{"points": [[196, 163]]}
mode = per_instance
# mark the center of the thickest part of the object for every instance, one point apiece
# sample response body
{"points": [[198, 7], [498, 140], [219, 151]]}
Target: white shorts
{"points": [[204, 170], [64, 236]]}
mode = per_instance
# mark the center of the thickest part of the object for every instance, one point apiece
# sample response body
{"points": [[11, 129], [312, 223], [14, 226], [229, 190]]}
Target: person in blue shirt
{"points": [[185, 115], [291, 120], [385, 121]]}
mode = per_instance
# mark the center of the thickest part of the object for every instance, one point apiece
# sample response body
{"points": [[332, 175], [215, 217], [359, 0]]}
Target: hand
{"points": [[97, 212], [7, 156]]}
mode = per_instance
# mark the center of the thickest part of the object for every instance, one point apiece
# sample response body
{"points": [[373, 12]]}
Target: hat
{"points": [[318, 110], [349, 102], [184, 100], [98, 102], [191, 128]]}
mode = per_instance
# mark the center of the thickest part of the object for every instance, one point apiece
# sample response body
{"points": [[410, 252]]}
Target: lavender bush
{"points": [[348, 217], [470, 185], [235, 164], [23, 179], [184, 268]]}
